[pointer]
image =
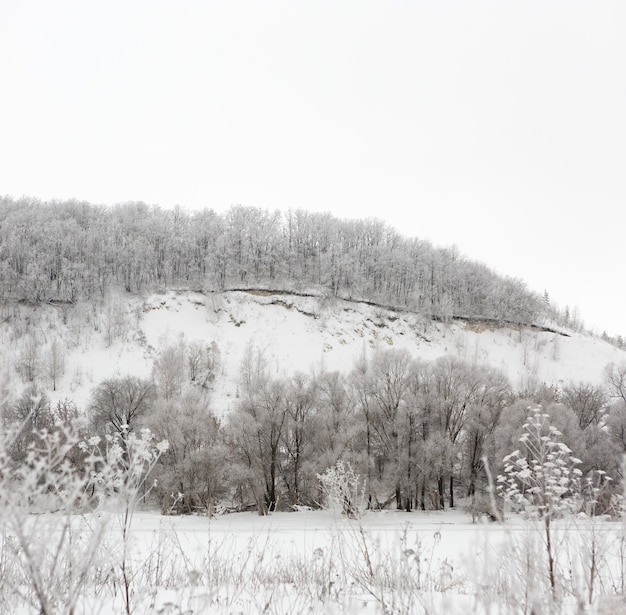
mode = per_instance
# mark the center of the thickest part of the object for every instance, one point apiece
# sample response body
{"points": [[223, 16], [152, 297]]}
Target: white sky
{"points": [[496, 126]]}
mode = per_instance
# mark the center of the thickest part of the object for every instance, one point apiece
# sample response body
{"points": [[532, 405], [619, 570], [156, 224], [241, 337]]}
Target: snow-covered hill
{"points": [[294, 333]]}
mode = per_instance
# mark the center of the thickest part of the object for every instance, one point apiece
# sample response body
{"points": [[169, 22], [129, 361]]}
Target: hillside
{"points": [[268, 348], [294, 333]]}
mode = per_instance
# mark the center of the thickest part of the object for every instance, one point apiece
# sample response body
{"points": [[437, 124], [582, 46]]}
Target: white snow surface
{"points": [[310, 334], [298, 562]]}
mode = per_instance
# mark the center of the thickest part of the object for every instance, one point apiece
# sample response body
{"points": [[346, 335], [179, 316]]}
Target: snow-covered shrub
{"points": [[343, 489]]}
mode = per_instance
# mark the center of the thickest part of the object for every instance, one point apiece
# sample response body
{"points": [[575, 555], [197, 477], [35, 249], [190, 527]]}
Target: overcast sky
{"points": [[499, 127]]}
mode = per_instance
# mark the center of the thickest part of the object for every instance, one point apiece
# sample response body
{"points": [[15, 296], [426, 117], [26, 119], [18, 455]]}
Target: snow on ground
{"points": [[319, 561], [308, 334]]}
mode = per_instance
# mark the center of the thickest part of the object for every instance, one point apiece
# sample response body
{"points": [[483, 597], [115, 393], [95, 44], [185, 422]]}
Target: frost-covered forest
{"points": [[65, 251], [391, 432], [419, 433]]}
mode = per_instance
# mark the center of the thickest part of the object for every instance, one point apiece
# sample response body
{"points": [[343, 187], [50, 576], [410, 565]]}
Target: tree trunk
{"points": [[451, 490], [369, 461], [440, 489]]}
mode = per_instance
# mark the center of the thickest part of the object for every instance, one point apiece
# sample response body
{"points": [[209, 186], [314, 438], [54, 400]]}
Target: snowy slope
{"points": [[297, 333]]}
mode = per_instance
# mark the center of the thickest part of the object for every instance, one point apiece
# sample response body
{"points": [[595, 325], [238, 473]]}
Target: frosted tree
{"points": [[456, 388], [257, 428], [120, 404], [26, 417], [69, 250], [30, 357], [194, 360], [300, 403], [484, 414], [336, 424], [588, 402], [55, 362], [194, 470], [168, 370], [615, 378], [388, 385]]}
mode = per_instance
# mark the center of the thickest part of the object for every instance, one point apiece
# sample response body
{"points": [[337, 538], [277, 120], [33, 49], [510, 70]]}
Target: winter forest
{"points": [[70, 251], [392, 433]]}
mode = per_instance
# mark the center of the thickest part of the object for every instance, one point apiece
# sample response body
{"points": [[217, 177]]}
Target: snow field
{"points": [[320, 562]]}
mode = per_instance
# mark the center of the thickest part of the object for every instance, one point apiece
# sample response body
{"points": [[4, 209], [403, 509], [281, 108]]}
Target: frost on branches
{"points": [[541, 481], [52, 531], [343, 489]]}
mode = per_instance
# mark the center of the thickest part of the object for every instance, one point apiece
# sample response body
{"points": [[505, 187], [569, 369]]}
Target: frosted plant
{"points": [[50, 548], [128, 459], [592, 544], [541, 480], [127, 462], [50, 539], [343, 489]]}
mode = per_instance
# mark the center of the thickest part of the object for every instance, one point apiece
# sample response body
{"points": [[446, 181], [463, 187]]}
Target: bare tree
{"points": [[257, 427], [30, 357], [194, 358], [589, 402], [300, 400], [615, 377], [121, 403], [388, 386], [55, 362], [616, 424], [168, 370]]}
